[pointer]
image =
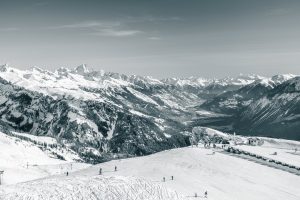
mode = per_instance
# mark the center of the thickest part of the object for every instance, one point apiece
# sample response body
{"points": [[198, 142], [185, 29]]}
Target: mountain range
{"points": [[102, 114]]}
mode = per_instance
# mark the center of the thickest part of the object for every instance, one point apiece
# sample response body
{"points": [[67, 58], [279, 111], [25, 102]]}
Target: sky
{"points": [[158, 38]]}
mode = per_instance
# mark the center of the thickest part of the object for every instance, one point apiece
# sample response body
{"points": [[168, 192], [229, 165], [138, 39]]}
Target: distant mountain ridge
{"points": [[99, 114]]}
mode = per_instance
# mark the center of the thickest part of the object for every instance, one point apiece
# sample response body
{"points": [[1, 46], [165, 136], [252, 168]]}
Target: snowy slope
{"points": [[285, 150], [89, 188], [195, 170], [15, 154], [224, 177]]}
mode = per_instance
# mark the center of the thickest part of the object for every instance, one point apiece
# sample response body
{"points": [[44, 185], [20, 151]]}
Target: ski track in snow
{"points": [[89, 188], [195, 170]]}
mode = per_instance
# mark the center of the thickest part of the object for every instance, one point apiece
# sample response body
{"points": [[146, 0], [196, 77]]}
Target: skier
{"points": [[100, 171], [205, 194], [172, 177], [196, 195], [164, 179], [67, 173], [115, 168], [191, 141]]}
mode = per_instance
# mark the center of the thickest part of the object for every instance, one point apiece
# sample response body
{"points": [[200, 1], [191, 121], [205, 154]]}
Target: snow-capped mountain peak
{"points": [[4, 67], [278, 79], [81, 69]]}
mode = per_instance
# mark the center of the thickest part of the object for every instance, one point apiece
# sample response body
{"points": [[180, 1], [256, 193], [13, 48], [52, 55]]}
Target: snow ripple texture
{"points": [[91, 188]]}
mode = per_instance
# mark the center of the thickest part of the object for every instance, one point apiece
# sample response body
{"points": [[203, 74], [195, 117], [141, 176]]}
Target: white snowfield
{"points": [[287, 151], [88, 188], [22, 161], [195, 170]]}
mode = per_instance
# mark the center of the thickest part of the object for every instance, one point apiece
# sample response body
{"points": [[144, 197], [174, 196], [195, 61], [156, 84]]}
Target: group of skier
{"points": [[172, 178], [100, 170], [164, 178], [205, 194]]}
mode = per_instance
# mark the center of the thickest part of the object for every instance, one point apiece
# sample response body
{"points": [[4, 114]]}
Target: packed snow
{"points": [[194, 170], [285, 151], [23, 161], [89, 188]]}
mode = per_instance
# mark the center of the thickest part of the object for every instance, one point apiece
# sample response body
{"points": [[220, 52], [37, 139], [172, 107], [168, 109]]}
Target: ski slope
{"points": [[88, 188], [287, 151], [195, 170], [23, 161]]}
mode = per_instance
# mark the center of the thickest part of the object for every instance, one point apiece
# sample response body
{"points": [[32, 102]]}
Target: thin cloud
{"points": [[149, 18], [100, 28], [119, 28], [87, 24], [154, 38], [116, 33]]}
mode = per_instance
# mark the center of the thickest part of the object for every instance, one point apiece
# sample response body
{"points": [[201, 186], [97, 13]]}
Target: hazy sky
{"points": [[160, 38]]}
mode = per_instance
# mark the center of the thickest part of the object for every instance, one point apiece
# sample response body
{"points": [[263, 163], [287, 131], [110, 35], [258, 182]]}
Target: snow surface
{"points": [[89, 188], [195, 170], [15, 154], [141, 96], [42, 139], [285, 150]]}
